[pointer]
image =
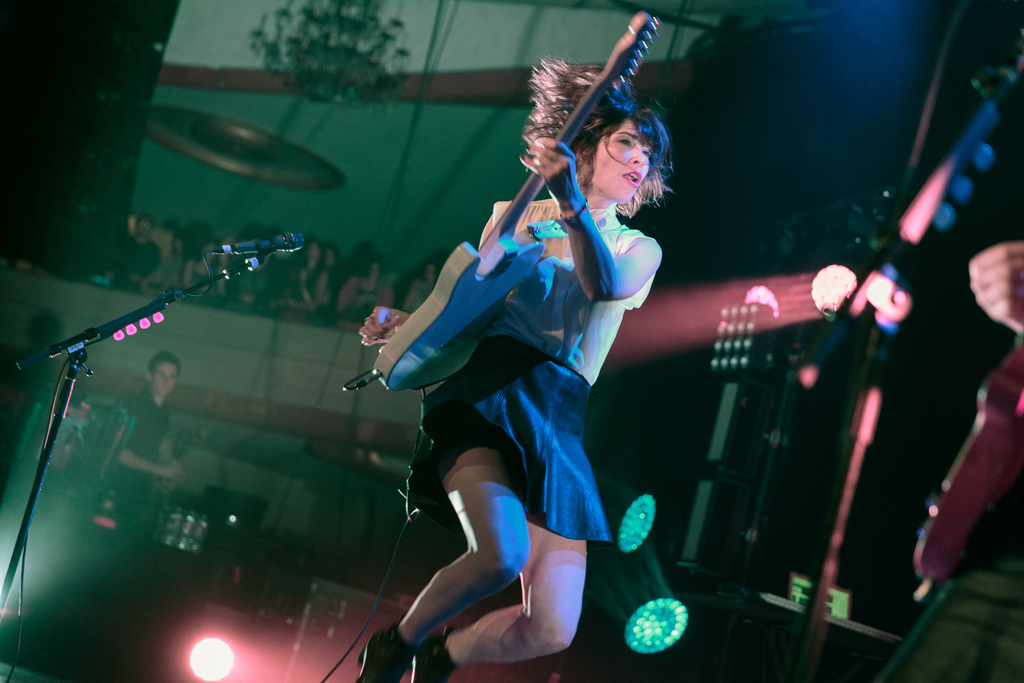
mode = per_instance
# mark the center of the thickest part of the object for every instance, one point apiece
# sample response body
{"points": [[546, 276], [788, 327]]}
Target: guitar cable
{"points": [[412, 513]]}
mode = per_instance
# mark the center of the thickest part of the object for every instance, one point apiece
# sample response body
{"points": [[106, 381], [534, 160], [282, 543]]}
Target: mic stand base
{"points": [[61, 401]]}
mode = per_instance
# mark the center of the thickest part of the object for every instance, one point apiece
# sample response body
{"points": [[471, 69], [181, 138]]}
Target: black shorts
{"points": [[523, 403]]}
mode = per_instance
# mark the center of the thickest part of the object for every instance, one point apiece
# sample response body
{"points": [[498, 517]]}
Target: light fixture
{"points": [[636, 523], [830, 288], [656, 625], [211, 659], [335, 50]]}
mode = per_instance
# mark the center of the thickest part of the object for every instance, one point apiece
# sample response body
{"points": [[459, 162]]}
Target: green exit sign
{"points": [[801, 587]]}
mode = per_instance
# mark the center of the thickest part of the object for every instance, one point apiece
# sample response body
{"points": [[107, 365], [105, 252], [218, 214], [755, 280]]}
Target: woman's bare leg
{"points": [[497, 536], [546, 621]]}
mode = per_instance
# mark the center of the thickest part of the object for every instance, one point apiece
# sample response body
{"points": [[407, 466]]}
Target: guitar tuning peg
{"points": [[629, 72], [622, 78]]}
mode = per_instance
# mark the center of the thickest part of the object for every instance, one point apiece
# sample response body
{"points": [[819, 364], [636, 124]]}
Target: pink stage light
{"points": [[830, 288], [763, 295], [158, 317], [682, 318], [131, 329], [211, 659], [144, 323], [119, 335]]}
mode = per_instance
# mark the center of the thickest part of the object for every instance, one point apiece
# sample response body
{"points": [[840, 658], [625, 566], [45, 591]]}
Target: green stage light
{"points": [[636, 523], [656, 625]]}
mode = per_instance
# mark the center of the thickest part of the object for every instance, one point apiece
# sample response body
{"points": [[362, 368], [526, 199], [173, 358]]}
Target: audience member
{"points": [[363, 291], [328, 284], [416, 284], [139, 256]]}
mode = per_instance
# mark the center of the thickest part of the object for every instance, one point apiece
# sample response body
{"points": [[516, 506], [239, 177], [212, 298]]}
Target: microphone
{"points": [[290, 241]]}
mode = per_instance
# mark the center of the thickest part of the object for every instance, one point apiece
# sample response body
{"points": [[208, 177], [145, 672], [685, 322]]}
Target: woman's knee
{"points": [[500, 565], [550, 633]]}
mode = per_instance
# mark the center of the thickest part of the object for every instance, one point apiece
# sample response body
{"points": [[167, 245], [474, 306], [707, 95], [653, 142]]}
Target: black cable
{"points": [[394, 196], [410, 516], [376, 602], [209, 270], [684, 9], [666, 18]]}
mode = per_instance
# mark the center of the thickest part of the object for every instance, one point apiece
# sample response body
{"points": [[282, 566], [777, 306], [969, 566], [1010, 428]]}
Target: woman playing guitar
{"points": [[505, 462]]}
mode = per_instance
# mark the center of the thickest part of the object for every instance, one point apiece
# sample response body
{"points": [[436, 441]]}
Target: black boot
{"points": [[386, 657], [432, 663]]}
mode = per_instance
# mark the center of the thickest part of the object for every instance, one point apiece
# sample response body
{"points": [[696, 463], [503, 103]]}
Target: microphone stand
{"points": [[864, 398], [75, 348]]}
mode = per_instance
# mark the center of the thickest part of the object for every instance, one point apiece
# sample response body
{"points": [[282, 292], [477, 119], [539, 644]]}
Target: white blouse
{"points": [[548, 309]]}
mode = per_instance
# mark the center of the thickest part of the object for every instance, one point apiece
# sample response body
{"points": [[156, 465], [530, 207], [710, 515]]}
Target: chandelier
{"points": [[335, 50]]}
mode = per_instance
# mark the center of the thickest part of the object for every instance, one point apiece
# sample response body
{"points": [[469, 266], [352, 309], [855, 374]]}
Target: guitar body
{"points": [[986, 468], [440, 336]]}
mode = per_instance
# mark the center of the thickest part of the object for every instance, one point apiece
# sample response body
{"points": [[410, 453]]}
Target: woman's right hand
{"points": [[556, 164], [381, 325]]}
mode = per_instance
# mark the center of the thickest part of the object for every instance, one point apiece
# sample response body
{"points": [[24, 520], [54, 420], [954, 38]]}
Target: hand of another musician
{"points": [[556, 164], [997, 279], [381, 325]]}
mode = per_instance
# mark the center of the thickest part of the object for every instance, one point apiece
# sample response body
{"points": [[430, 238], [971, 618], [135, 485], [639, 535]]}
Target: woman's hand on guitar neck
{"points": [[997, 279], [381, 325], [556, 164]]}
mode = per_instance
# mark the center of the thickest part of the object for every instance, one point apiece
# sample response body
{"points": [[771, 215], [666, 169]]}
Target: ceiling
{"points": [[411, 187]]}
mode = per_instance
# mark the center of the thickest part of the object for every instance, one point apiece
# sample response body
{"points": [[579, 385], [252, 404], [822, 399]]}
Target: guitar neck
{"points": [[624, 60], [528, 192]]}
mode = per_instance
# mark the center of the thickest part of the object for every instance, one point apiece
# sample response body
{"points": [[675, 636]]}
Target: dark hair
{"points": [[558, 85], [163, 357]]}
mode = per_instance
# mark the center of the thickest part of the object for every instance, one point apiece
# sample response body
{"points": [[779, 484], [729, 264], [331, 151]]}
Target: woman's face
{"points": [[621, 163]]}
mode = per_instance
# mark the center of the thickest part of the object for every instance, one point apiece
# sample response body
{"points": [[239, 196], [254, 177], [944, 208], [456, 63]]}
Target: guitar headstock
{"points": [[627, 55]]}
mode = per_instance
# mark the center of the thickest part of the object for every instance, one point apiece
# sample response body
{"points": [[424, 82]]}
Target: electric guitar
{"points": [[987, 466], [438, 339]]}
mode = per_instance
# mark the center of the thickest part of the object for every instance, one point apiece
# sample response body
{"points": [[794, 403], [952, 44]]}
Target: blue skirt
{"points": [[523, 403]]}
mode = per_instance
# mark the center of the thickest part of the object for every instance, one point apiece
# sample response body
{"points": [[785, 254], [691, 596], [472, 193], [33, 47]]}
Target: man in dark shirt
{"points": [[138, 473]]}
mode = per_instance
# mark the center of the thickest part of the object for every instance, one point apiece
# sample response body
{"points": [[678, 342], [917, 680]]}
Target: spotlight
{"points": [[158, 317], [656, 625], [131, 329], [636, 523], [119, 335], [144, 323], [830, 288], [211, 659], [763, 295]]}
